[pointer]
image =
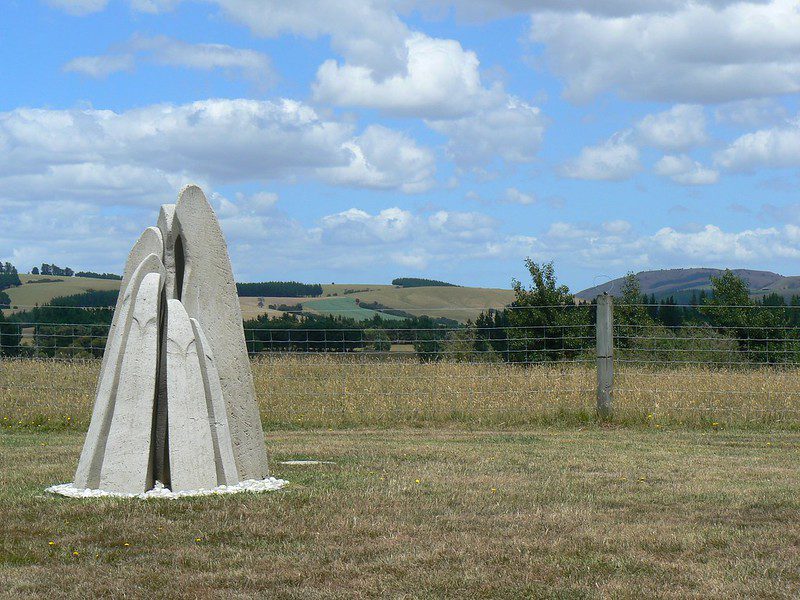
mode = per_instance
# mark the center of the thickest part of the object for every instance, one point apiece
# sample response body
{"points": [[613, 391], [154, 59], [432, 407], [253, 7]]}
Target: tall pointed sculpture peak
{"points": [[175, 400]]}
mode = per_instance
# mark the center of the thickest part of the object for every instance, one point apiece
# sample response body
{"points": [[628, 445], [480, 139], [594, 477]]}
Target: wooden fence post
{"points": [[605, 355]]}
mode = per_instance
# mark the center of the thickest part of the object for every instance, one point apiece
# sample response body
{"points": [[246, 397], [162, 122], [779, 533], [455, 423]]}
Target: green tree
{"points": [[376, 341], [728, 306], [10, 338], [544, 321], [762, 329], [630, 314]]}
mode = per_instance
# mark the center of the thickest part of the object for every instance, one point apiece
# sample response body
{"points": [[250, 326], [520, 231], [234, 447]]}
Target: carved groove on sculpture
{"points": [[175, 398]]}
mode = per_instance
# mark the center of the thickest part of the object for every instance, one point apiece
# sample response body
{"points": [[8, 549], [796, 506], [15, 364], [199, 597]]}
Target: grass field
{"points": [[568, 512], [345, 307], [329, 390], [457, 303], [36, 289], [252, 310], [449, 480]]}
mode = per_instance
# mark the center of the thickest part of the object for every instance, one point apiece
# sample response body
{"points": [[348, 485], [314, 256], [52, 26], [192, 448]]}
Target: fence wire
{"points": [[527, 365]]}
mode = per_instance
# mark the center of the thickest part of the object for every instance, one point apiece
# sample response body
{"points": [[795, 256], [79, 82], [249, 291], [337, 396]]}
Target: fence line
{"points": [[596, 360]]}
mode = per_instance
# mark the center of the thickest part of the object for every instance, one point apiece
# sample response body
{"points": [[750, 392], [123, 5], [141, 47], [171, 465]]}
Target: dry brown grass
{"points": [[581, 512], [336, 391]]}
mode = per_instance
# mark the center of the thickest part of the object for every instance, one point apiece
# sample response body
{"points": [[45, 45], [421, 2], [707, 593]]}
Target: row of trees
{"points": [[280, 289], [6, 268], [724, 326], [48, 269], [94, 275], [409, 282]]}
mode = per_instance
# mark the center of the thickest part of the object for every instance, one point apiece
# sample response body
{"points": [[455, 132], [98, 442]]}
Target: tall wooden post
{"points": [[605, 356]]}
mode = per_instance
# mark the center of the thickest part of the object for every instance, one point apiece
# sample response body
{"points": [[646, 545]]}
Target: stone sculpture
{"points": [[175, 399]]}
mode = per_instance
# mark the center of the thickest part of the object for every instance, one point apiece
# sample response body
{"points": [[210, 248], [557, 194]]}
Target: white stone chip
{"points": [[268, 484]]}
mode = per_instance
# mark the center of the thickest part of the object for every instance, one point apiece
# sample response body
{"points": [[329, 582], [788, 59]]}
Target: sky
{"points": [[361, 140]]}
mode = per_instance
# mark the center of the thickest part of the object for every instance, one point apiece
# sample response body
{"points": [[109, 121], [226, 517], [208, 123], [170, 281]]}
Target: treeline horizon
{"points": [[411, 282], [543, 323], [279, 289]]}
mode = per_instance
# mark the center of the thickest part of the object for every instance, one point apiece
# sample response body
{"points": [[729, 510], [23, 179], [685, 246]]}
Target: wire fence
{"points": [[722, 366]]}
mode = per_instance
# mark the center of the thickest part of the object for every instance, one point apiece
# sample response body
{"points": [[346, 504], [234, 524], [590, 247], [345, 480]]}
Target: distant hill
{"points": [[451, 302], [681, 283]]}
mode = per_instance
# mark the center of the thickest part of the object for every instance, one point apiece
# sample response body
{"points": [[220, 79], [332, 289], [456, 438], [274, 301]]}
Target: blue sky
{"points": [[359, 141]]}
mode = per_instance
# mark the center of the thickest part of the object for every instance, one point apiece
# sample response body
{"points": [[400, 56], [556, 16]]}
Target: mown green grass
{"points": [[583, 512], [345, 307]]}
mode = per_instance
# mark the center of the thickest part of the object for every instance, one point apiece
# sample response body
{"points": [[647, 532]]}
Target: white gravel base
{"points": [[159, 491]]}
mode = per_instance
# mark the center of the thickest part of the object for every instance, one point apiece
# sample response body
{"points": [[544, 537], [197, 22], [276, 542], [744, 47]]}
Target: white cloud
{"points": [[366, 33], [167, 51], [615, 244], [440, 79], [751, 113], [463, 225], [358, 227], [79, 8], [162, 50], [617, 227], [83, 152], [259, 203], [511, 195], [712, 244], [679, 128], [382, 158], [569, 231], [441, 83], [692, 53], [154, 6], [481, 10], [66, 232], [777, 147], [512, 131], [682, 169], [100, 67], [615, 159], [514, 196], [414, 260], [388, 67], [263, 200], [396, 235], [94, 182]]}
